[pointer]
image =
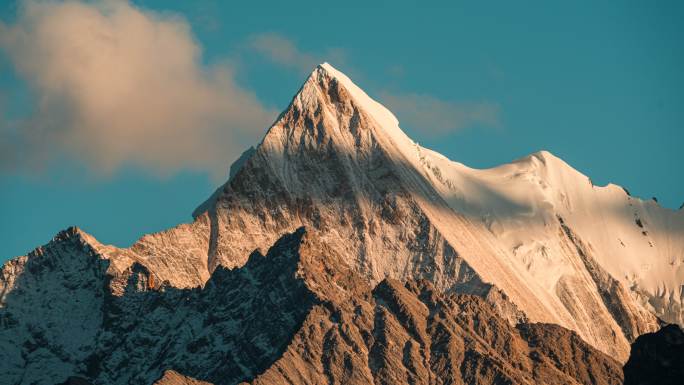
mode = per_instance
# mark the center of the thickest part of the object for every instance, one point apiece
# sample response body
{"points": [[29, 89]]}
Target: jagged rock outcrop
{"points": [[412, 334], [225, 331], [300, 314], [51, 310], [657, 358]]}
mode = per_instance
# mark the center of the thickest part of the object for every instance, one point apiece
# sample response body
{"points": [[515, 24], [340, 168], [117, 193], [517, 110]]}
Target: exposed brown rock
{"points": [[412, 334], [172, 377], [302, 315]]}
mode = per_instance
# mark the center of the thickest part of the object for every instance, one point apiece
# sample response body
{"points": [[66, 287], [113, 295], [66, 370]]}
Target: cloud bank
{"points": [[116, 85]]}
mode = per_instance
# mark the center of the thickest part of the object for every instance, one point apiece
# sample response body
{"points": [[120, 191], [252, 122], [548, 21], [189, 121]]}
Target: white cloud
{"points": [[437, 117], [116, 85], [283, 51]]}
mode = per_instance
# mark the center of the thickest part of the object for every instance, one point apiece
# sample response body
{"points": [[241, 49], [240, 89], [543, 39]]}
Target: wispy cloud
{"points": [[424, 113], [285, 52], [436, 117], [116, 85]]}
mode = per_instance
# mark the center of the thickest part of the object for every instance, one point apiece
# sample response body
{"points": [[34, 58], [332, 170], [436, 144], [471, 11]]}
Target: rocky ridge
{"points": [[299, 314]]}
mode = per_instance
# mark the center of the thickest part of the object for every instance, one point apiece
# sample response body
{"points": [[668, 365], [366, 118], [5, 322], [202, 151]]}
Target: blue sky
{"points": [[599, 84]]}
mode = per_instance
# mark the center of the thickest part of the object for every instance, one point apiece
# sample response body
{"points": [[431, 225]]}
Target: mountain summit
{"points": [[534, 240]]}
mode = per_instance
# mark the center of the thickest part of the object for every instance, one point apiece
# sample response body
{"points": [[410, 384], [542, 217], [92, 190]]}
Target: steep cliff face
{"points": [[63, 319], [51, 309], [411, 334], [299, 314], [534, 238]]}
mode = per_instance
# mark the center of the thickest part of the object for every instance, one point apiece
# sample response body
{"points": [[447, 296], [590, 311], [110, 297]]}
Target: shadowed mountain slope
{"points": [[299, 314], [657, 358]]}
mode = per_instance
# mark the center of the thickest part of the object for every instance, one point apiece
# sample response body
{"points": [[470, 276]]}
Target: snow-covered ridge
{"points": [[639, 242]]}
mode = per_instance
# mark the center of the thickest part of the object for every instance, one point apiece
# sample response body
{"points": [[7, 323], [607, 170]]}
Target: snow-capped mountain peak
{"points": [[534, 237], [326, 86], [535, 229]]}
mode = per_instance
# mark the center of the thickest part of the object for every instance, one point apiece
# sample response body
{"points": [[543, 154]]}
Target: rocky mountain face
{"points": [[299, 314], [440, 270], [127, 328]]}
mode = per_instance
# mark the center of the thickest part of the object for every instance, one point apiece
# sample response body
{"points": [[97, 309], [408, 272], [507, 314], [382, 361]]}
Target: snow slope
{"points": [[638, 242], [513, 199]]}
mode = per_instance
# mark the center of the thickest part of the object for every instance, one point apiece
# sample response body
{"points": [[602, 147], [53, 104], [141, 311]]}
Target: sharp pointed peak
{"points": [[327, 68], [71, 232], [74, 232], [383, 116], [329, 96], [325, 71]]}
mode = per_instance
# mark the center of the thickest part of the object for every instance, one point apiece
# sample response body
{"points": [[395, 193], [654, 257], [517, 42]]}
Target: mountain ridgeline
{"points": [[340, 251]]}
